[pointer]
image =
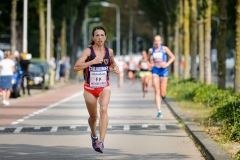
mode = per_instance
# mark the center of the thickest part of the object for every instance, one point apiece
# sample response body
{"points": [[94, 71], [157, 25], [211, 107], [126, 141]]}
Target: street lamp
{"points": [[104, 4], [48, 48], [25, 15], [96, 19]]}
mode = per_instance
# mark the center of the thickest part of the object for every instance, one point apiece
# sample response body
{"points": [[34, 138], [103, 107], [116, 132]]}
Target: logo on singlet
{"points": [[105, 61]]}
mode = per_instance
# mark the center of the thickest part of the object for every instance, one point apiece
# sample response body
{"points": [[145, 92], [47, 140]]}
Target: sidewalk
{"points": [[26, 105]]}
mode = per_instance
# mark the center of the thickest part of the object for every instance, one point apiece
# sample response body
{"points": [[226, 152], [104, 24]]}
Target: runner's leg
{"points": [[91, 103], [156, 84], [163, 88], [104, 99]]}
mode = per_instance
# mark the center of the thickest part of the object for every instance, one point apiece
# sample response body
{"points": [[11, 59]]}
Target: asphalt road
{"points": [[59, 130]]}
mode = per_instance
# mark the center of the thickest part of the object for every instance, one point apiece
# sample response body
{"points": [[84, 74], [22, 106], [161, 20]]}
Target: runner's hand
{"points": [[116, 70], [164, 65], [97, 60]]}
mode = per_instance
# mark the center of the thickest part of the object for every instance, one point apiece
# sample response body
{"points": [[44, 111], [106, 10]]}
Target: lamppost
{"points": [[25, 16], [104, 4], [96, 19], [48, 48]]}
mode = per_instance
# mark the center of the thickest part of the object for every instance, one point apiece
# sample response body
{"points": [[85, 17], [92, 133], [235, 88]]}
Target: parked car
{"points": [[39, 73], [16, 81]]}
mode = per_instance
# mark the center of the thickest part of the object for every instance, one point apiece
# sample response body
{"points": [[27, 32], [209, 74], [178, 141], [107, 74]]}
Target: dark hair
{"points": [[96, 28]]}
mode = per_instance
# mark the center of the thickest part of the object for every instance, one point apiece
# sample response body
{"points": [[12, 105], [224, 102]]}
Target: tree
{"points": [[13, 26], [186, 39], [63, 37], [207, 54], [42, 41], [180, 34], [201, 43], [193, 38], [222, 48], [237, 61], [176, 43]]}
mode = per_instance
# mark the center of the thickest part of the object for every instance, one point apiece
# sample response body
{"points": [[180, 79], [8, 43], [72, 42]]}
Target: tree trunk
{"points": [[180, 37], [207, 54], [222, 49], [193, 38], [77, 28], [52, 38], [186, 39], [13, 26], [237, 63], [63, 37], [42, 47], [201, 49], [176, 46], [19, 36]]}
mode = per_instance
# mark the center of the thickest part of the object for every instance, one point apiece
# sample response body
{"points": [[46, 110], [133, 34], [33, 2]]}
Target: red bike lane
{"points": [[24, 107]]}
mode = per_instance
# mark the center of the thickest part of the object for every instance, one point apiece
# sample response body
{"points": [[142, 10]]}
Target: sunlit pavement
{"points": [[54, 126]]}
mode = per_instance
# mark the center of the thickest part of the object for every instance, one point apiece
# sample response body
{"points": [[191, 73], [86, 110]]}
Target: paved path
{"points": [[60, 130]]}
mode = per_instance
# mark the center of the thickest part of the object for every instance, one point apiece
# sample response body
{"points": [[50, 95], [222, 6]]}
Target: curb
{"points": [[209, 149]]}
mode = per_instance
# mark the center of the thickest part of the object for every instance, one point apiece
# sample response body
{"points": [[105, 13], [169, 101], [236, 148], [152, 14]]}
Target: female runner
{"points": [[96, 61], [144, 73], [160, 70]]}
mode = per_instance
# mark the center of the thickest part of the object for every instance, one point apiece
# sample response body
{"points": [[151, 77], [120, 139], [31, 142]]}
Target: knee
{"points": [[93, 118], [157, 92], [103, 111]]}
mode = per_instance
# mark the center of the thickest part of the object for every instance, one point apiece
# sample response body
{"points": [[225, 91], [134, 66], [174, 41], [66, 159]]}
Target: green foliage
{"points": [[225, 104], [237, 156]]}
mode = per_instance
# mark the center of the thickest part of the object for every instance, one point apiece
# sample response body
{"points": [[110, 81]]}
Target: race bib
{"points": [[157, 57], [144, 65], [98, 79]]}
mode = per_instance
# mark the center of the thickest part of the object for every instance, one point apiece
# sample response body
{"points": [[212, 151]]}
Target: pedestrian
{"points": [[25, 64], [61, 66], [67, 69], [122, 65], [7, 67], [160, 70], [144, 73], [52, 66], [132, 70], [96, 61]]}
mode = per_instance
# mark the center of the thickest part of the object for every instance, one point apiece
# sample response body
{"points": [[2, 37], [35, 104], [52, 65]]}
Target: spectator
{"points": [[61, 70], [25, 63], [67, 69], [7, 67]]}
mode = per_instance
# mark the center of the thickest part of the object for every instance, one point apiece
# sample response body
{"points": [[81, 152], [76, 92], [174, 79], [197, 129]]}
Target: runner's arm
{"points": [[113, 63], [170, 54], [81, 64], [149, 56]]}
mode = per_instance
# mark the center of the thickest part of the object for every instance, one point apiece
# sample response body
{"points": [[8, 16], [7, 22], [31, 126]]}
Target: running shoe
{"points": [[94, 142], [100, 147], [163, 97], [159, 115]]}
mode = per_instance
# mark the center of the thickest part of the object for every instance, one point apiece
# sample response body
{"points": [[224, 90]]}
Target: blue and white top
{"points": [[159, 56]]}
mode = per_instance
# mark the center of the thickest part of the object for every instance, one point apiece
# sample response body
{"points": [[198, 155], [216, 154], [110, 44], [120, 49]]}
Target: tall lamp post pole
{"points": [[104, 4], [130, 32], [25, 16], [48, 48]]}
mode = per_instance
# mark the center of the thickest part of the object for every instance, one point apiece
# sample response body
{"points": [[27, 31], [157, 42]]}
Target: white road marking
{"points": [[2, 128], [20, 120], [26, 117], [51, 106], [18, 130], [126, 127], [73, 126], [37, 127], [162, 126], [14, 122], [144, 126], [109, 127], [88, 129], [54, 129]]}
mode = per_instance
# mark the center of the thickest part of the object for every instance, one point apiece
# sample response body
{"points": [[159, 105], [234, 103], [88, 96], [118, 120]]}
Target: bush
{"points": [[210, 95]]}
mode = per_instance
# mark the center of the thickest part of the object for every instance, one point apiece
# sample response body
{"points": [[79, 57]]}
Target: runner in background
{"points": [[132, 68], [160, 70], [96, 61], [122, 65], [144, 73]]}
